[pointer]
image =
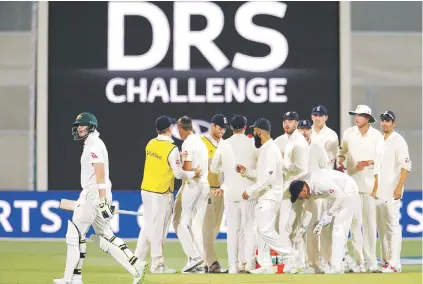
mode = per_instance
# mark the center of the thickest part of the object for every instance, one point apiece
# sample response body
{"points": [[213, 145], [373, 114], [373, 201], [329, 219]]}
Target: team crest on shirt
{"points": [[94, 156], [331, 190], [407, 160], [177, 162]]}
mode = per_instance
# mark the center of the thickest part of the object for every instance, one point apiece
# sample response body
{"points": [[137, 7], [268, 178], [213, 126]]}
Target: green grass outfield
{"points": [[39, 262]]}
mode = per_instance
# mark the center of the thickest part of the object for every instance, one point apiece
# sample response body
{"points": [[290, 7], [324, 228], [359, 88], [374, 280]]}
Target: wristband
{"points": [[102, 186]]}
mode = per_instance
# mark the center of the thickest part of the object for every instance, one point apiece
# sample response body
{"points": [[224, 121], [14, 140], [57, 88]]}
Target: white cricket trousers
{"points": [[86, 214], [369, 229], [389, 229], [341, 226], [189, 224], [241, 237], [318, 246], [157, 215], [266, 213]]}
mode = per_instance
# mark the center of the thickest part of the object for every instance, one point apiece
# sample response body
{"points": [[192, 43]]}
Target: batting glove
{"points": [[104, 209]]}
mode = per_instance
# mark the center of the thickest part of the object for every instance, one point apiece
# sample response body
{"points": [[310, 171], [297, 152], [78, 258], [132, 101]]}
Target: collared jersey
{"points": [[94, 152], [295, 158], [328, 139], [392, 156], [211, 145], [194, 150], [268, 175], [355, 148], [330, 184], [237, 149]]}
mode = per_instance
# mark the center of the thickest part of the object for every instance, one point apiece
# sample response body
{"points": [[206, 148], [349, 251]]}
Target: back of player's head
{"points": [[185, 123]]}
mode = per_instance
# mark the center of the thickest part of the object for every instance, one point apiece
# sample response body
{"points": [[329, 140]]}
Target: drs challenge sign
{"points": [[130, 62]]}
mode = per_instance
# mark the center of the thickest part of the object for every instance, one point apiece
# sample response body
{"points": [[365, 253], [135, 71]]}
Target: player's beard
{"points": [[257, 141]]}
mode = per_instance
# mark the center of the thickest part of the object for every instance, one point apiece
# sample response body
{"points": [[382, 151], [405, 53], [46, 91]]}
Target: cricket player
{"points": [[162, 165], [193, 195], [93, 208], [391, 171], [323, 135], [268, 189], [239, 212], [342, 192], [295, 163], [359, 148], [318, 159], [215, 204]]}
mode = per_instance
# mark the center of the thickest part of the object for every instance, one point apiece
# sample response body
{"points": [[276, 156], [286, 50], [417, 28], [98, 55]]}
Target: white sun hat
{"points": [[363, 109]]}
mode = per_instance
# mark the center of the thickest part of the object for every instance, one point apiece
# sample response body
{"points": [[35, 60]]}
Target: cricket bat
{"points": [[69, 205]]}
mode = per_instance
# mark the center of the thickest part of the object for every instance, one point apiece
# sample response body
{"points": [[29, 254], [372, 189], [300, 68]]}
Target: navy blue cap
{"points": [[387, 115], [295, 188], [291, 115], [238, 122], [262, 123], [304, 124], [163, 122], [220, 119], [320, 110]]}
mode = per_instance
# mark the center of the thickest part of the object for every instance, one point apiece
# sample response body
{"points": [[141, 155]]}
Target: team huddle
{"points": [[299, 195]]}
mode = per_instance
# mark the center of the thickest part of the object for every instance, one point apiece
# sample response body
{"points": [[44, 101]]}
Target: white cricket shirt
{"points": [[174, 160], [235, 150], [317, 157], [194, 150], [295, 160], [330, 184], [392, 156], [94, 152], [281, 142], [269, 176], [328, 139], [355, 148]]}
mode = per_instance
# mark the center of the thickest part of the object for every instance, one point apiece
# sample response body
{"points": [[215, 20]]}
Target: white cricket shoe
{"points": [[372, 269], [357, 269], [141, 268], [192, 264], [162, 269], [63, 281], [262, 270], [349, 264], [196, 270], [333, 270], [390, 269]]}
